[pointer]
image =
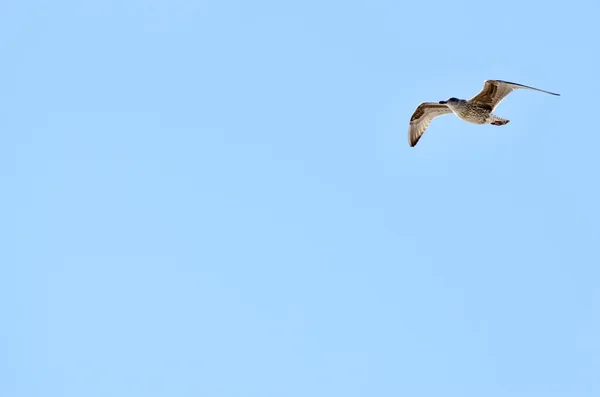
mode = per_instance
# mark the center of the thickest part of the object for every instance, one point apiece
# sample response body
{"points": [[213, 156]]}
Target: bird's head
{"points": [[450, 100]]}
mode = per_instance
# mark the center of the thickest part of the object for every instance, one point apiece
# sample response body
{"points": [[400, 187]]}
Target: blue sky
{"points": [[218, 199]]}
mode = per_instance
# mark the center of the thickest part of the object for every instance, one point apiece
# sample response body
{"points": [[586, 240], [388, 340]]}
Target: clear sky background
{"points": [[218, 199]]}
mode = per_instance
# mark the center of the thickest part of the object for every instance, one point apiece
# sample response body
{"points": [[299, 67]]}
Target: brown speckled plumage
{"points": [[477, 110], [472, 112]]}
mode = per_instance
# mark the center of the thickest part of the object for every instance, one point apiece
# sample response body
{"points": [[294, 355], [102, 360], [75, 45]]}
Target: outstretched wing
{"points": [[494, 91], [421, 118]]}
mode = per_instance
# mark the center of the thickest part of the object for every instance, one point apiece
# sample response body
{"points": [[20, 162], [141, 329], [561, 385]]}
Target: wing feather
{"points": [[494, 91], [421, 119]]}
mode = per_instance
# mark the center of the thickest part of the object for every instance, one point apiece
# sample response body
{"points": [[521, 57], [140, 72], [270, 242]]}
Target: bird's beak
{"points": [[443, 102]]}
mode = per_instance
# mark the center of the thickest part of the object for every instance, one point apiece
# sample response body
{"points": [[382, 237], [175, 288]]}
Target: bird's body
{"points": [[471, 112], [477, 110]]}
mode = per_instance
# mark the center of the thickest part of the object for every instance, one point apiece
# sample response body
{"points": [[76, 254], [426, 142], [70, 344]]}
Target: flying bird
{"points": [[477, 110]]}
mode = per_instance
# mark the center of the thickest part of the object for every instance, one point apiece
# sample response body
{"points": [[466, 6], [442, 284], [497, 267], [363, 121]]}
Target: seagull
{"points": [[477, 110]]}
